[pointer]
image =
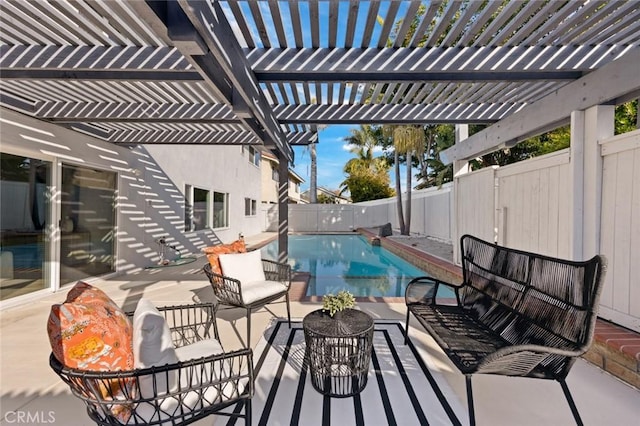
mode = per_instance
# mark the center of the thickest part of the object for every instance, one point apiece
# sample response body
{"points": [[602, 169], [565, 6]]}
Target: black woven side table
{"points": [[338, 351]]}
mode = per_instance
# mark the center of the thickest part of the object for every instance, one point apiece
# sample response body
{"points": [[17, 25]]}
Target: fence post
{"points": [[459, 168], [599, 124]]}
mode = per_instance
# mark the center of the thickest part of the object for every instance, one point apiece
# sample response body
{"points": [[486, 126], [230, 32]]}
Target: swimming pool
{"points": [[347, 262]]}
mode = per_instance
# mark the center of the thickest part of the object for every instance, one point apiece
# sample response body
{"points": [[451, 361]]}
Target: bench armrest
{"points": [[423, 290]]}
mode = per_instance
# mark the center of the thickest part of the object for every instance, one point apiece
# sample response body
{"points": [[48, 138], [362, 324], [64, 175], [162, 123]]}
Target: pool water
{"points": [[348, 262], [26, 256]]}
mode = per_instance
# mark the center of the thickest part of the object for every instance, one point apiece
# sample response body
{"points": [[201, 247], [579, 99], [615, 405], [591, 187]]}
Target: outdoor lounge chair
{"points": [[249, 282], [202, 381]]}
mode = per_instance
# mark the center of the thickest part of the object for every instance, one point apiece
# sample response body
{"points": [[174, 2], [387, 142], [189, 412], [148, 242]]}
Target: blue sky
{"points": [[332, 155], [332, 151]]}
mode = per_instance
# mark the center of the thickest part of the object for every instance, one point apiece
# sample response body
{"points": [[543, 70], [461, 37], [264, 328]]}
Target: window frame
{"points": [[250, 207], [191, 218], [225, 210]]}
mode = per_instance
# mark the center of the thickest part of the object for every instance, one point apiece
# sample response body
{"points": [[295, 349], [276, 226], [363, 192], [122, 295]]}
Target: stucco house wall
{"points": [[151, 184]]}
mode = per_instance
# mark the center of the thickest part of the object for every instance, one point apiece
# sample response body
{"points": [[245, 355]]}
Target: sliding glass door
{"points": [[87, 224], [25, 213]]}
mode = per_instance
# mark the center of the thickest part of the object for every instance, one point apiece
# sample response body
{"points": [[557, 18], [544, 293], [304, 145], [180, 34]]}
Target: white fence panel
{"points": [[269, 217], [431, 212], [335, 218], [371, 213], [533, 204], [431, 215], [303, 218], [475, 204], [620, 229]]}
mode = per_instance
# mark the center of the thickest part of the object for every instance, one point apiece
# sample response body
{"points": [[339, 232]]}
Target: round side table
{"points": [[338, 351]]}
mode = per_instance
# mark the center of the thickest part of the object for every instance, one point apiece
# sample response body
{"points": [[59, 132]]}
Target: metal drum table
{"points": [[338, 351]]}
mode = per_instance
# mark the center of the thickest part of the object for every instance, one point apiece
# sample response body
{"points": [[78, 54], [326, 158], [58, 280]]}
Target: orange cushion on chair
{"points": [[214, 252], [90, 332]]}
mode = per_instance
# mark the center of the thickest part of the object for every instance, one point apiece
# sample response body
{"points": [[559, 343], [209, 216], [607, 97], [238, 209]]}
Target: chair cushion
{"points": [[197, 378], [214, 252], [244, 267], [90, 332], [152, 346], [254, 291]]}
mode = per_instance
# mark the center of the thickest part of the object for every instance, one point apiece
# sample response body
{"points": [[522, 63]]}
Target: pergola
{"points": [[269, 72]]}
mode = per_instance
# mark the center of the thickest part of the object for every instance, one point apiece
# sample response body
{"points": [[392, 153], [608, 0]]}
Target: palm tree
{"points": [[367, 176], [362, 143], [407, 140]]}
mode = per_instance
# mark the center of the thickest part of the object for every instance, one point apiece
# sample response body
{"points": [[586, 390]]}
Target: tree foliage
{"points": [[365, 184], [627, 117], [367, 176], [324, 199]]}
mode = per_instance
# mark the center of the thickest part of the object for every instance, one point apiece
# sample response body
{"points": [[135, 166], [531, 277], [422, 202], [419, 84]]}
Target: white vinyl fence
{"points": [[533, 205], [532, 202], [431, 214], [526, 205], [620, 228]]}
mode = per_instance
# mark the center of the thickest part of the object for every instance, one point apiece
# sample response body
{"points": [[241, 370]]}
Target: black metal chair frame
{"points": [[230, 374], [517, 314], [228, 291]]}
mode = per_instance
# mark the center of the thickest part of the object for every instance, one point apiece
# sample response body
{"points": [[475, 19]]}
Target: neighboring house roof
{"points": [[293, 176], [327, 192]]}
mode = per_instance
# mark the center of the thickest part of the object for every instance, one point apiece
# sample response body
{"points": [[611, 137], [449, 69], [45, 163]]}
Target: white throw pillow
{"points": [[152, 346], [244, 267]]}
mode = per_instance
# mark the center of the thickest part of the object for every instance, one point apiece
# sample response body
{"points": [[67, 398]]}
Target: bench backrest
{"points": [[529, 298]]}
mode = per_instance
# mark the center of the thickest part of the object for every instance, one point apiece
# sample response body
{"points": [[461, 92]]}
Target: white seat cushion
{"points": [[244, 267], [197, 378], [254, 291]]}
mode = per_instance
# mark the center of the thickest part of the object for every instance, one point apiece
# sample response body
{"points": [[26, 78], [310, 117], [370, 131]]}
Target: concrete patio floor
{"points": [[28, 385]]}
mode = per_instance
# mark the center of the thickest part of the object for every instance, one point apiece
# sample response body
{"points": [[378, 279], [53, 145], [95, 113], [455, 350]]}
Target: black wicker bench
{"points": [[517, 314]]}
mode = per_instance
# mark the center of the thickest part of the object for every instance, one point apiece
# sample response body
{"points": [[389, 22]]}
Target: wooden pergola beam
{"points": [[605, 84], [210, 23]]}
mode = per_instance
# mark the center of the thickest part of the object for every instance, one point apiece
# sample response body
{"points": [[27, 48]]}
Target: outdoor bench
{"points": [[515, 314]]}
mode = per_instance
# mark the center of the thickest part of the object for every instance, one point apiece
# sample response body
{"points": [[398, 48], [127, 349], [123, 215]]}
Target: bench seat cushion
{"points": [[465, 341]]}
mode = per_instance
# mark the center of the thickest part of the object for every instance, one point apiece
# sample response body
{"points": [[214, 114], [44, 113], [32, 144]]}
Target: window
{"points": [[297, 187], [220, 210], [197, 208], [250, 207], [274, 172], [254, 156]]}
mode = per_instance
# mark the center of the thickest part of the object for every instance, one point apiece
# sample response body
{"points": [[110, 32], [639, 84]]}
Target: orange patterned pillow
{"points": [[214, 252], [90, 332], [238, 246]]}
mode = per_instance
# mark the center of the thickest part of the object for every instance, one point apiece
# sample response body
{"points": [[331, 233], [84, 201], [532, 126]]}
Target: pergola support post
{"points": [[460, 167], [588, 127], [283, 208]]}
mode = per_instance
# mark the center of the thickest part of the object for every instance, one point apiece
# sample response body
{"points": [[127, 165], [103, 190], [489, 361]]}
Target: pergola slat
{"points": [[426, 21], [269, 71], [378, 64], [365, 114]]}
